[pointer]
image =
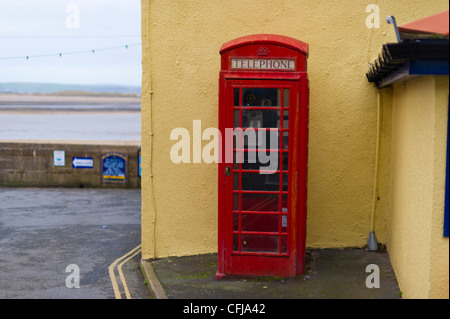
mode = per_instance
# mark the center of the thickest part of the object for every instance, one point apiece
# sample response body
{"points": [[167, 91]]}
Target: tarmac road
{"points": [[49, 236]]}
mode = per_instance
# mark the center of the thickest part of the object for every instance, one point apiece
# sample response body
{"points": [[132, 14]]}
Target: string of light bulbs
{"points": [[69, 36], [61, 54]]}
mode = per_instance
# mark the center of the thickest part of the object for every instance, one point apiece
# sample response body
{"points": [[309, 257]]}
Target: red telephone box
{"points": [[263, 119]]}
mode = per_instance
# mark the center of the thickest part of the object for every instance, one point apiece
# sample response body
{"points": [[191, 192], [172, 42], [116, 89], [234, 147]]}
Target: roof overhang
{"points": [[409, 59]]}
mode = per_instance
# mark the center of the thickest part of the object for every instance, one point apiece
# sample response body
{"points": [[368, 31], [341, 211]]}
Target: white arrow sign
{"points": [[82, 162]]}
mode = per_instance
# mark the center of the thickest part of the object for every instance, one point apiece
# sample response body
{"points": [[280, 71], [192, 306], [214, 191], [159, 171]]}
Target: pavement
{"points": [[85, 244], [69, 244], [330, 274]]}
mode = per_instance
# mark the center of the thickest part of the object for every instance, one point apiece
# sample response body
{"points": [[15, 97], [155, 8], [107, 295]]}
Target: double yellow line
{"points": [[124, 259]]}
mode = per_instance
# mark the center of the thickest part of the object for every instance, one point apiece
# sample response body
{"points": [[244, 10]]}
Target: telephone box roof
{"points": [[279, 40]]}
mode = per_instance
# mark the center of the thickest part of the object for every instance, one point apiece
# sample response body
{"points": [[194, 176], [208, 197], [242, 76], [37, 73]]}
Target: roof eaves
{"points": [[409, 59]]}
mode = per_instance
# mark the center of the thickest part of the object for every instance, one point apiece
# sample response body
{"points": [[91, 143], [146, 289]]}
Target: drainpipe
{"points": [[372, 242], [391, 20], [150, 153]]}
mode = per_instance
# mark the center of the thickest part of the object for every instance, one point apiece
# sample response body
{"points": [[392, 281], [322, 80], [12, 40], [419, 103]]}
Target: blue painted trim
{"points": [[429, 67], [413, 69], [446, 226]]}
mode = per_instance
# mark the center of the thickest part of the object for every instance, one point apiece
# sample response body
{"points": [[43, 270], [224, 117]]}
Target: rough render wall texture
{"points": [[439, 262], [181, 62], [417, 248]]}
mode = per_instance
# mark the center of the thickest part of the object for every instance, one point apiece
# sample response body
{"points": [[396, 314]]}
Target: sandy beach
{"points": [[41, 99]]}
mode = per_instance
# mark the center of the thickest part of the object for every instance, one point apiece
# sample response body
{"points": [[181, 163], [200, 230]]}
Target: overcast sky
{"points": [[40, 27]]}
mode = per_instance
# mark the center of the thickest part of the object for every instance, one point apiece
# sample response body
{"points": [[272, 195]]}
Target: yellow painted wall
{"points": [[419, 253], [181, 63]]}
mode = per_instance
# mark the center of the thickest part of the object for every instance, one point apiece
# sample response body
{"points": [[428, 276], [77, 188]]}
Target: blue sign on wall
{"points": [[139, 163], [447, 204], [114, 168], [82, 162]]}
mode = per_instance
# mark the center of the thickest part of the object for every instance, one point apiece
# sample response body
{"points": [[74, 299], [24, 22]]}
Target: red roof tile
{"points": [[437, 23]]}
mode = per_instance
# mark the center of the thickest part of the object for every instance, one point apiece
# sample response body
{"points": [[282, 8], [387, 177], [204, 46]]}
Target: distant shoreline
{"points": [[12, 99], [24, 109]]}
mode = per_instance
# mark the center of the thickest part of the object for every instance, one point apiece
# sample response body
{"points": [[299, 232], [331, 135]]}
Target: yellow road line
{"points": [[122, 277], [113, 277]]}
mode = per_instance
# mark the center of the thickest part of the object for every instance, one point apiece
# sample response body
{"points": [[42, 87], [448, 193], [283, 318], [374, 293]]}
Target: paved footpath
{"points": [[48, 236]]}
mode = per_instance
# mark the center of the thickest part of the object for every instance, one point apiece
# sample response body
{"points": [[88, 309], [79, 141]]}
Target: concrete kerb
{"points": [[154, 285]]}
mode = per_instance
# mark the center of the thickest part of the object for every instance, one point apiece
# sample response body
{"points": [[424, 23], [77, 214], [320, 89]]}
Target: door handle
{"points": [[227, 171]]}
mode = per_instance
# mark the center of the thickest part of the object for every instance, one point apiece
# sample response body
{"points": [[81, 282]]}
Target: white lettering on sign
{"points": [[82, 162], [263, 64]]}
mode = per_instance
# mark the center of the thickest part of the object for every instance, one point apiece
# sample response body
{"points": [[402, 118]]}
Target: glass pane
{"points": [[236, 181], [251, 161], [236, 97], [236, 202], [284, 203], [269, 160], [235, 242], [286, 119], [260, 182], [256, 139], [285, 140], [260, 223], [284, 219], [236, 161], [283, 244], [285, 182], [285, 161], [236, 119], [259, 243], [260, 202], [236, 222], [286, 97], [284, 210], [261, 118], [260, 97]]}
